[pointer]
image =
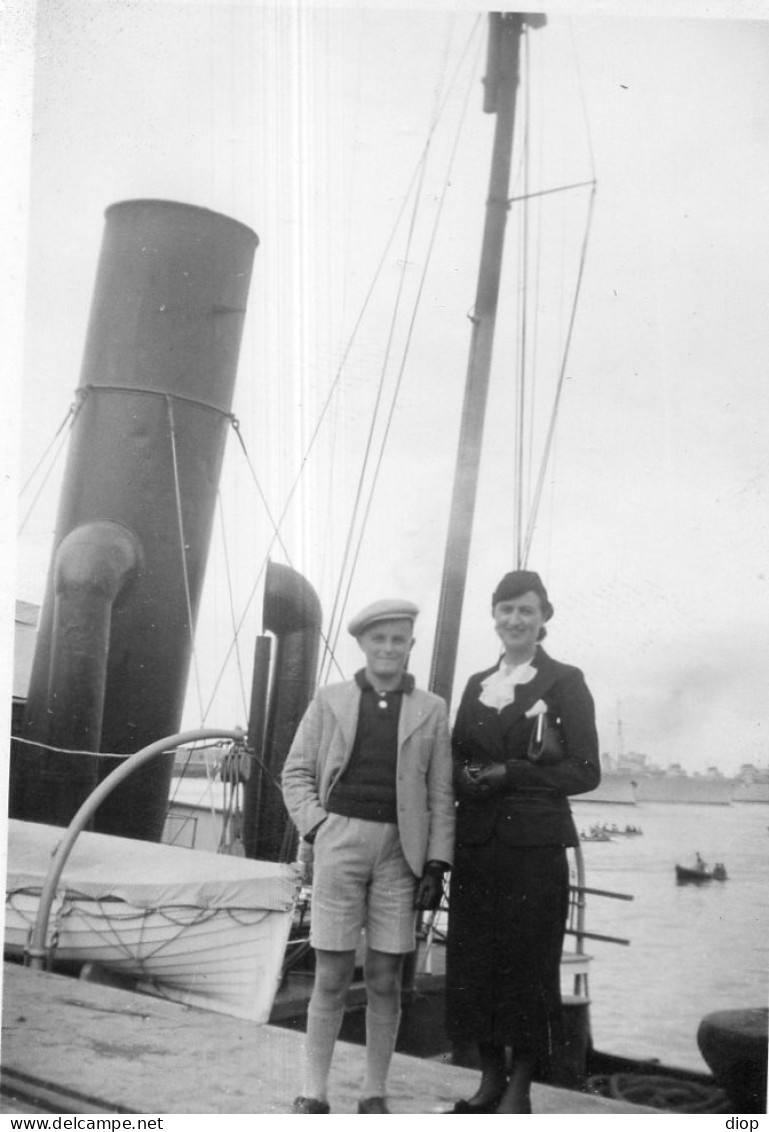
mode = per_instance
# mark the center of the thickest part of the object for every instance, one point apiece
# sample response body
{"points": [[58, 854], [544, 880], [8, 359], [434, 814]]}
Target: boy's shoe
{"points": [[309, 1105]]}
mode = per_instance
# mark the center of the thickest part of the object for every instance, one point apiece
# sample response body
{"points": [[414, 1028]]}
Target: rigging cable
{"points": [[592, 183], [182, 547], [275, 526], [409, 336], [95, 754], [324, 410], [338, 609], [522, 554], [315, 433], [421, 167], [233, 620], [70, 416], [357, 144], [238, 625], [335, 621], [534, 362], [561, 377], [275, 538], [521, 399]]}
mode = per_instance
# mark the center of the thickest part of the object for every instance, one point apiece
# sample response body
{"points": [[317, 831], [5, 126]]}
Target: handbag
{"points": [[547, 745]]}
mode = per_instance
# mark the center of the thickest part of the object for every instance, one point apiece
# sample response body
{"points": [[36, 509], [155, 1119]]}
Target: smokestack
{"points": [[145, 455]]}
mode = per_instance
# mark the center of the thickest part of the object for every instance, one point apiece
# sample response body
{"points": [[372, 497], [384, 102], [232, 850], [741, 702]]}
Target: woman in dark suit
{"points": [[510, 884]]}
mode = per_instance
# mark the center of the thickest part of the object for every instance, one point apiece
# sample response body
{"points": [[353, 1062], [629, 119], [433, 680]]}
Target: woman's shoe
{"points": [[309, 1105], [467, 1108], [525, 1106], [371, 1105]]}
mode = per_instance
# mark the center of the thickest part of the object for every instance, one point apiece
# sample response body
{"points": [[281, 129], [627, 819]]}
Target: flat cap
{"points": [[389, 609]]}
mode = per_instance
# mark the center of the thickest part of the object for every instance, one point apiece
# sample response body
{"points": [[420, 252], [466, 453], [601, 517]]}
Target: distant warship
{"points": [[631, 778]]}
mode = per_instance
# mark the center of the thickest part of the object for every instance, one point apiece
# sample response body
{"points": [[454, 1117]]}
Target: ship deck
{"points": [[71, 1046]]}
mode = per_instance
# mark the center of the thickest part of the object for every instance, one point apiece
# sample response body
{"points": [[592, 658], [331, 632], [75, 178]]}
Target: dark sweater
{"points": [[367, 787]]}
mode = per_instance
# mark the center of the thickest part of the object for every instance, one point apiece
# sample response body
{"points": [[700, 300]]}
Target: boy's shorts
{"points": [[361, 879]]}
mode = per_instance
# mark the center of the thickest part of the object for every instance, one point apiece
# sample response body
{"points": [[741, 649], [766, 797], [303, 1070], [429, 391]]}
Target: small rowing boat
{"points": [[204, 929], [699, 875]]}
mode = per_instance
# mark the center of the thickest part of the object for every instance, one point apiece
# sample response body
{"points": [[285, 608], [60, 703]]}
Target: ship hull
{"points": [[684, 790], [751, 792], [630, 789], [617, 789]]}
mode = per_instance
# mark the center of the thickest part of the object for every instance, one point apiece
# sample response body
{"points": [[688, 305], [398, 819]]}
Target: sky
{"points": [[307, 122]]}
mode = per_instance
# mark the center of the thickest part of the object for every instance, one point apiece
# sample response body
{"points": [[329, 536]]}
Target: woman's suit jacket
{"points": [[531, 807], [321, 750]]}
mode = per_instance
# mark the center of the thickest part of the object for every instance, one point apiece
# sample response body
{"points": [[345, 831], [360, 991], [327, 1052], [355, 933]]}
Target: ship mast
{"points": [[501, 83]]}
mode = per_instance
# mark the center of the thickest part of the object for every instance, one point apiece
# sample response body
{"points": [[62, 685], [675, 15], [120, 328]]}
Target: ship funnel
{"points": [[292, 612], [115, 639]]}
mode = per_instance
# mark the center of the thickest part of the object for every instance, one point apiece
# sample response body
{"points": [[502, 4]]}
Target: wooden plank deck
{"points": [[83, 1047]]}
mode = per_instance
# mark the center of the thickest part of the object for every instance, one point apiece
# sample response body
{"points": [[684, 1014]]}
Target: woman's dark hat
{"points": [[519, 582]]}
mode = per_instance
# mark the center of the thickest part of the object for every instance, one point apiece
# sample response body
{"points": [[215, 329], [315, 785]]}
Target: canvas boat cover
{"points": [[145, 874]]}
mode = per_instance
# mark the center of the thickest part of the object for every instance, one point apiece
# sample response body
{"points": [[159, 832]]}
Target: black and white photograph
{"points": [[378, 372]]}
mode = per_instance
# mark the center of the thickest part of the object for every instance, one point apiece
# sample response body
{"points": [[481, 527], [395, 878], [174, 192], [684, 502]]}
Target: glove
{"points": [[430, 888], [480, 781], [492, 777]]}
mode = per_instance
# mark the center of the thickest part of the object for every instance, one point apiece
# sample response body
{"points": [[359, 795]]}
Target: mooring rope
{"points": [[670, 1094]]}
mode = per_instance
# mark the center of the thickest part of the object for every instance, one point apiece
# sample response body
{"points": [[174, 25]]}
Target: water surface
{"points": [[694, 949]]}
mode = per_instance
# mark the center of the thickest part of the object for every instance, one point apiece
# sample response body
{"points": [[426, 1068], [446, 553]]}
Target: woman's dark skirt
{"points": [[507, 916]]}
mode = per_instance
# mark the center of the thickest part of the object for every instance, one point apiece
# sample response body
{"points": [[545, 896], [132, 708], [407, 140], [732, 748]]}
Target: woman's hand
{"points": [[477, 781], [492, 777]]}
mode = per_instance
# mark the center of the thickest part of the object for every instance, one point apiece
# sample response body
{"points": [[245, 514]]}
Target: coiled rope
{"points": [[670, 1094]]}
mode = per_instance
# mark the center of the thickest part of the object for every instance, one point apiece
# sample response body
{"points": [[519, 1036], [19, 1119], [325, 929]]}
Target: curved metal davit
{"points": [[145, 453], [37, 952]]}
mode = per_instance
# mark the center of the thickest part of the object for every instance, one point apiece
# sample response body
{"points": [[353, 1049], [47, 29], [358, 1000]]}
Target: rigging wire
{"points": [[337, 377], [99, 754], [228, 574], [583, 102], [524, 384], [549, 192], [183, 547], [275, 526], [328, 657], [409, 336], [375, 414], [239, 625], [534, 219], [538, 311], [521, 397], [321, 417], [421, 167], [419, 175], [350, 188], [561, 377], [71, 416], [592, 184]]}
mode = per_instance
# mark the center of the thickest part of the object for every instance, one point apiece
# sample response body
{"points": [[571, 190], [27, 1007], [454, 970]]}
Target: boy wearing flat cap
{"points": [[368, 781]]}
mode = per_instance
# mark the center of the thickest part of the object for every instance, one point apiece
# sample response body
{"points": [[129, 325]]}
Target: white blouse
{"points": [[499, 687]]}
